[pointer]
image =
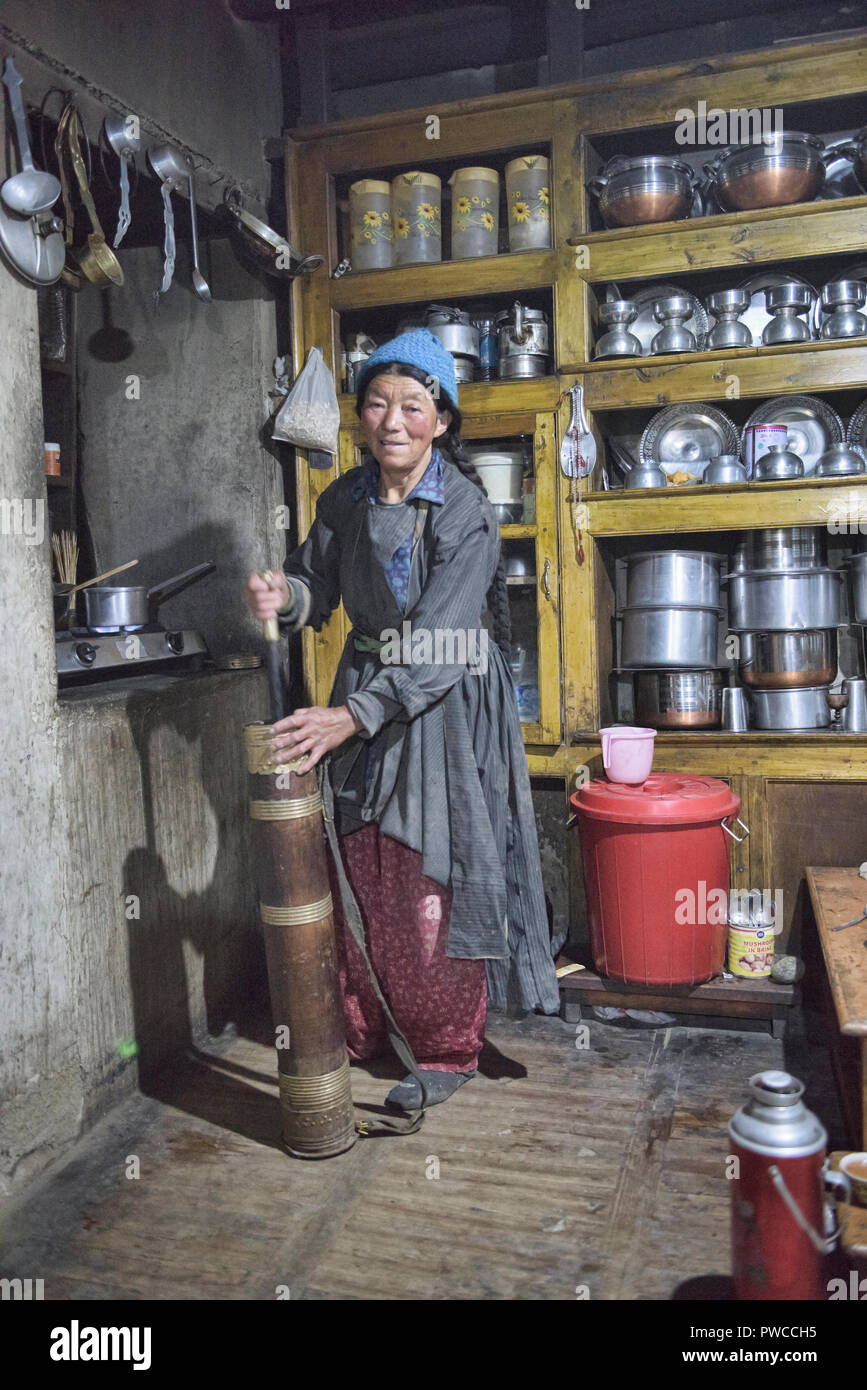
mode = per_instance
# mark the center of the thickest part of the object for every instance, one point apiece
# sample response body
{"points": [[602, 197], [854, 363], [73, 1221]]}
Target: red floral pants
{"points": [[438, 1002]]}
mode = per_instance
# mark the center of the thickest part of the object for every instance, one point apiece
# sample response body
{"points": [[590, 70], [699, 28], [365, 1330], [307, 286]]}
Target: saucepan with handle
{"points": [[133, 606]]}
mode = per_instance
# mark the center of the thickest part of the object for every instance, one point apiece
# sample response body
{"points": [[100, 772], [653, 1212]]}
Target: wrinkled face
{"points": [[400, 422]]}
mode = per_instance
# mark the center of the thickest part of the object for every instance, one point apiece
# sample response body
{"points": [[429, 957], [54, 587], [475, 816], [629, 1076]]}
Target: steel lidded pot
{"points": [[675, 577], [648, 188], [780, 548], [684, 638], [787, 168], [800, 709], [785, 600], [522, 342]]}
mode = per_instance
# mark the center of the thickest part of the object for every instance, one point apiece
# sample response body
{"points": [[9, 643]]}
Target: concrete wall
{"points": [[138, 790]]}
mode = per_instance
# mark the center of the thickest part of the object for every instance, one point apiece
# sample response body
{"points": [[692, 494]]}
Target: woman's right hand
{"points": [[264, 598]]}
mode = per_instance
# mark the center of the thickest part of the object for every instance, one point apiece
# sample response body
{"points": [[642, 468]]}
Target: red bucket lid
{"points": [[666, 798]]}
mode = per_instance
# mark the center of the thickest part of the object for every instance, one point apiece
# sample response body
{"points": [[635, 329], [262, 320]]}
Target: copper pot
{"points": [[652, 188], [678, 699], [788, 660], [787, 169]]}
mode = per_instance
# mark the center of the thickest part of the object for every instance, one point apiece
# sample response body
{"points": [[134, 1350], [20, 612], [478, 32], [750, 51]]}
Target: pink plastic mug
{"points": [[627, 753]]}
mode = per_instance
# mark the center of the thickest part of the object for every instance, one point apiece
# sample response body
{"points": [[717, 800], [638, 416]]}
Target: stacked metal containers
{"points": [[785, 605], [670, 637]]}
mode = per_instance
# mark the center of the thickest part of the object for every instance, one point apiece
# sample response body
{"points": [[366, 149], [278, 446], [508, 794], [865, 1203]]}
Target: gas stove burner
{"points": [[92, 654], [108, 631]]}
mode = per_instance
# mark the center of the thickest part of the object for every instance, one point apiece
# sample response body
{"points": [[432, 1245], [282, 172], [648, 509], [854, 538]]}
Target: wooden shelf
{"points": [[699, 376], [445, 280], [517, 531], [525, 396], [745, 239], [800, 502]]}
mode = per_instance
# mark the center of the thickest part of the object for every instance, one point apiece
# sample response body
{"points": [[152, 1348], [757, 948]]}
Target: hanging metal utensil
{"points": [[272, 253], [94, 262], [173, 170], [121, 132], [200, 284], [30, 191]]}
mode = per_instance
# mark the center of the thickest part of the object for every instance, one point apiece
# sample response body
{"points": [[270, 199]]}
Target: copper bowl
{"points": [[653, 188], [786, 170], [788, 660]]}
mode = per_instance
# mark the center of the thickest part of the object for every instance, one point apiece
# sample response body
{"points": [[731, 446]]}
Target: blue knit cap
{"points": [[422, 349]]}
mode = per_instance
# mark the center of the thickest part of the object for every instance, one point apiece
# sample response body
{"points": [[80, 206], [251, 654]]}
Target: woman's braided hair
{"points": [[451, 444]]}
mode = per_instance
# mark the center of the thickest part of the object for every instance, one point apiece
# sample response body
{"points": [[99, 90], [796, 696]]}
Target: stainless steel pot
{"points": [[673, 577], [678, 699], [111, 606], [681, 638], [650, 188], [785, 600], [854, 150], [455, 330], [778, 462], [780, 548], [791, 709], [786, 169], [788, 660], [859, 585]]}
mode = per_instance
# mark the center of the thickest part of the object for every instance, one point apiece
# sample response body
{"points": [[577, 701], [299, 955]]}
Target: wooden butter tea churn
{"points": [[289, 859], [297, 918]]}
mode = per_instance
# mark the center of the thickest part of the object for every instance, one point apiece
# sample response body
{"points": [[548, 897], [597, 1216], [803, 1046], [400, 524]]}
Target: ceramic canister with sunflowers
{"points": [[475, 212], [415, 216], [370, 233], [529, 202]]}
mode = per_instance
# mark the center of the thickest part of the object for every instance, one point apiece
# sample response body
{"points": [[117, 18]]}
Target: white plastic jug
{"points": [[627, 753]]}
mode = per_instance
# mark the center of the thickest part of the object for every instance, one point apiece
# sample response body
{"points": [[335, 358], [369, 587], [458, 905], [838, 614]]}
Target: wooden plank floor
{"points": [[559, 1167]]}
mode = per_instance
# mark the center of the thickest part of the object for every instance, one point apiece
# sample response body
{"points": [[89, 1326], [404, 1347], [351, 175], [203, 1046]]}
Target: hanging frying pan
{"points": [[271, 253]]}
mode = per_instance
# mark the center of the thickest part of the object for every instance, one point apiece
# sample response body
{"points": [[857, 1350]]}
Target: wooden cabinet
{"points": [[820, 87]]}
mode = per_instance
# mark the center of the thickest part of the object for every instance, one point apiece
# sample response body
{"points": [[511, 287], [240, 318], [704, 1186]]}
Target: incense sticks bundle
{"points": [[64, 544]]}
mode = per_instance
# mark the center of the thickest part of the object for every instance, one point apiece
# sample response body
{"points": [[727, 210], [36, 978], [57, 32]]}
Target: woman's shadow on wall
{"points": [[196, 960]]}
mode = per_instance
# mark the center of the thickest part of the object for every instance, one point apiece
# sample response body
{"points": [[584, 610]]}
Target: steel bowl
{"points": [[788, 660], [725, 469], [666, 637], [645, 477], [785, 600], [840, 461], [679, 578], [778, 464], [678, 699], [780, 548], [800, 710]]}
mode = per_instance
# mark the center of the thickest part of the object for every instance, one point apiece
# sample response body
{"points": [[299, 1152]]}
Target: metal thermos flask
{"points": [[779, 1236]]}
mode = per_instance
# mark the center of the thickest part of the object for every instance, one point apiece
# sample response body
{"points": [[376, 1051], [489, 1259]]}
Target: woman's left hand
{"points": [[314, 731]]}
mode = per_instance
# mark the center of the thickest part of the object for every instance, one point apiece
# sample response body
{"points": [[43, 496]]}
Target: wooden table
{"points": [[838, 895]]}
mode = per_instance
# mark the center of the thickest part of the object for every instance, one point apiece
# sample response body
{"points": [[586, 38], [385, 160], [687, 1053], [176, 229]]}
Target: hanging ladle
{"points": [[121, 134], [32, 190], [200, 284]]}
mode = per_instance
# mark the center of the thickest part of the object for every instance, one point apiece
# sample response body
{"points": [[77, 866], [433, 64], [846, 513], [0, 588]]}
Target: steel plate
{"points": [[682, 436]]}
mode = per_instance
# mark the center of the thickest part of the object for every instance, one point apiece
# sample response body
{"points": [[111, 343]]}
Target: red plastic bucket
{"points": [[656, 876]]}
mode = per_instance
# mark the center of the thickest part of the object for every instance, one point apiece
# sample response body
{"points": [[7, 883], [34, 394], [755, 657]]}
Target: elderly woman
{"points": [[432, 794]]}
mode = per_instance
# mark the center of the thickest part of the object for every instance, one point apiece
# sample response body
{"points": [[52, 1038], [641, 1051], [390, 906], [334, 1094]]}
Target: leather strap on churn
{"points": [[297, 916]]}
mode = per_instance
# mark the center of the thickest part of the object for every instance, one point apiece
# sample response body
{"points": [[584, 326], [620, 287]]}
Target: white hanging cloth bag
{"points": [[310, 415]]}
